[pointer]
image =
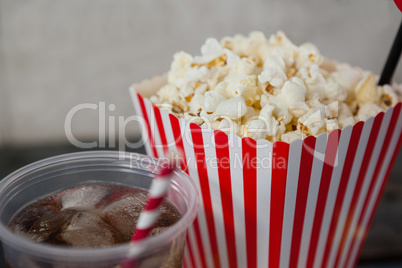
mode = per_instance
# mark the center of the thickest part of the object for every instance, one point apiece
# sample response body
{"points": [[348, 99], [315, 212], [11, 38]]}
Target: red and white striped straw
{"points": [[156, 195]]}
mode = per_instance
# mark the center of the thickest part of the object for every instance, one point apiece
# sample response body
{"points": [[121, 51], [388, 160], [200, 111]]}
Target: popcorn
{"points": [[250, 114], [331, 124], [200, 88], [212, 54], [313, 121], [308, 53], [264, 99], [233, 61], [343, 122], [197, 103], [221, 89], [280, 111], [234, 108], [191, 118], [186, 92], [276, 126], [179, 106], [263, 128], [368, 110], [168, 93], [267, 110], [257, 129], [344, 110], [212, 100], [269, 88], [208, 117], [199, 73], [274, 60], [280, 40], [154, 99], [242, 85], [329, 66], [273, 75], [247, 66], [388, 96], [334, 91], [237, 44], [332, 110], [348, 77], [366, 90], [293, 92], [256, 41], [314, 102], [290, 101], [281, 56], [228, 126], [313, 79], [177, 69], [345, 116], [291, 136]]}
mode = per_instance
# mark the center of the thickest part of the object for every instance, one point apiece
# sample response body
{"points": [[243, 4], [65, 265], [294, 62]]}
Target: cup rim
{"points": [[121, 251]]}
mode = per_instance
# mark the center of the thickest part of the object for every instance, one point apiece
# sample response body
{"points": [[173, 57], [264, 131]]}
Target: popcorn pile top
{"points": [[270, 89]]}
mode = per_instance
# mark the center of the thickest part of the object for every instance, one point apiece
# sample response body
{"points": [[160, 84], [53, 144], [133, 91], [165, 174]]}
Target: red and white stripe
{"points": [[292, 183], [311, 207], [156, 195], [334, 195], [309, 181], [264, 151], [386, 157]]}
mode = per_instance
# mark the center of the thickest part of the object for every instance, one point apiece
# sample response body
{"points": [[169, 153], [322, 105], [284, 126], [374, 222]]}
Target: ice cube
{"points": [[41, 223], [50, 225], [123, 214], [168, 215], [87, 229], [85, 197]]}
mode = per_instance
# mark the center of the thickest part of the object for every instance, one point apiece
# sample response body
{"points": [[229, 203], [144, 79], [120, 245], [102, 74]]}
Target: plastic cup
{"points": [[52, 175]]}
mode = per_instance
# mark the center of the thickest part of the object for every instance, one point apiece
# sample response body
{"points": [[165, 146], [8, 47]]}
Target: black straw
{"points": [[392, 60]]}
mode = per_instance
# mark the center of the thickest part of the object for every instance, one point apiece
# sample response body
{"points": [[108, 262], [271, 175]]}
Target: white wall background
{"points": [[55, 54]]}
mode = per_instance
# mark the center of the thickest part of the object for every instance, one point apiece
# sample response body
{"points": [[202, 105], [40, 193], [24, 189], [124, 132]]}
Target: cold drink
{"points": [[97, 215], [80, 211]]}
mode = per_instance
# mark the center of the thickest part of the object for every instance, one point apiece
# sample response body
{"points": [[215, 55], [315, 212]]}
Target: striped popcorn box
{"points": [[309, 203]]}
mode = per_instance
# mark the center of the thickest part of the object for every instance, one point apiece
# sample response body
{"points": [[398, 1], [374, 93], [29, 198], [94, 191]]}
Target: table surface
{"points": [[384, 243]]}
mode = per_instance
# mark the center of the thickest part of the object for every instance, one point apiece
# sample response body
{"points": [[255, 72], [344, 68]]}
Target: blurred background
{"points": [[56, 54]]}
